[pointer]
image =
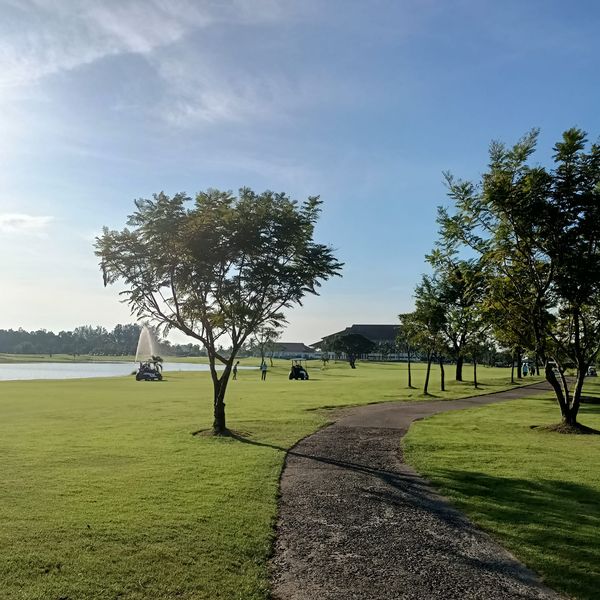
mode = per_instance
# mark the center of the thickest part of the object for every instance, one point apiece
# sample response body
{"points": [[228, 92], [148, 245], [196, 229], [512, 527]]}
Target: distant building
{"points": [[383, 336], [293, 350], [378, 334]]}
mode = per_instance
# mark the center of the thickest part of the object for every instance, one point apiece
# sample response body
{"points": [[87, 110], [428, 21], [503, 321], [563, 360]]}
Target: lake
{"points": [[29, 371]]}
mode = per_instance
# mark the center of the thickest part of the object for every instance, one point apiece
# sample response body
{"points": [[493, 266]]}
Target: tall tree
{"points": [[428, 322], [539, 229], [407, 333], [264, 339], [219, 269], [462, 284]]}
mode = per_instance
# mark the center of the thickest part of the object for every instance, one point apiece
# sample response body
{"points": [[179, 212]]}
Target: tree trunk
{"points": [[409, 372], [519, 365], [219, 423], [459, 367], [219, 389], [442, 374], [562, 395], [575, 403], [475, 371], [426, 385], [512, 369]]}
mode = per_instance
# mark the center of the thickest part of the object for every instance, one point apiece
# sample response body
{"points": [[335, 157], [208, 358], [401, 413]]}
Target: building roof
{"points": [[375, 333], [293, 347]]}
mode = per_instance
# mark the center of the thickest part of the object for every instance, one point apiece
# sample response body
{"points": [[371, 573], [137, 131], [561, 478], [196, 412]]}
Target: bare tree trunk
{"points": [[426, 385], [519, 365], [442, 374], [219, 423], [512, 369], [475, 371], [565, 386], [563, 401], [409, 372], [219, 389], [575, 403], [582, 366], [459, 367]]}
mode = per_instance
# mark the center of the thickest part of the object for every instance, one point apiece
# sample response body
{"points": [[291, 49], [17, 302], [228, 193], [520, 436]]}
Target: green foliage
{"points": [[85, 339], [225, 266], [263, 341], [537, 233], [407, 332], [459, 286], [219, 270], [528, 488], [429, 317]]}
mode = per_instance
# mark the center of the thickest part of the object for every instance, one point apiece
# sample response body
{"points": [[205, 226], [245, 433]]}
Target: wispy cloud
{"points": [[41, 37], [24, 224], [44, 37], [198, 92], [200, 83]]}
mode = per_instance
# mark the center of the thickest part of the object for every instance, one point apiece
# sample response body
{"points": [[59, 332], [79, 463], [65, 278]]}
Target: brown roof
{"points": [[293, 347], [375, 333]]}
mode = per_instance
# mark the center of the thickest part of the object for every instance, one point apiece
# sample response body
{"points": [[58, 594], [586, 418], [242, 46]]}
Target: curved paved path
{"points": [[355, 522]]}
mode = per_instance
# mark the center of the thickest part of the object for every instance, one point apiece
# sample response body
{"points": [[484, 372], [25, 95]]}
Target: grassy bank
{"points": [[537, 492], [106, 494]]}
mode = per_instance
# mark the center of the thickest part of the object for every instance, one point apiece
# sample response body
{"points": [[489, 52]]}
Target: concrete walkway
{"points": [[355, 522]]}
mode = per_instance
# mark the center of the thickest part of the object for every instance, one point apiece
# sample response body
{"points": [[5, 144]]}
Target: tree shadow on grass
{"points": [[578, 429], [553, 525], [589, 409]]}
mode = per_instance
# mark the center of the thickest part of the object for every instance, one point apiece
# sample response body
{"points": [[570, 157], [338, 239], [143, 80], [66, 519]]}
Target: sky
{"points": [[364, 103]]}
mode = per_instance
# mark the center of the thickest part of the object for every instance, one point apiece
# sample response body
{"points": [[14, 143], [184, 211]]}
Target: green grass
{"points": [[537, 492], [105, 493]]}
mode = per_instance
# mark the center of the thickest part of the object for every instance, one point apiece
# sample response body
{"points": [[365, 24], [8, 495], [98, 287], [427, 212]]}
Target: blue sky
{"points": [[362, 102]]}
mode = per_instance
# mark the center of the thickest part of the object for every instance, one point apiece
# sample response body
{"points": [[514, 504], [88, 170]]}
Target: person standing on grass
{"points": [[525, 370], [235, 369], [263, 371]]}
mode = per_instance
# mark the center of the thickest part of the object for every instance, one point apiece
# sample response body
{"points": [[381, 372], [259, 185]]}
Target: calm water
{"points": [[12, 372]]}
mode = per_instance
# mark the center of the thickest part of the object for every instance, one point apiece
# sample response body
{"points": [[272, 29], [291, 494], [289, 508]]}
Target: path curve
{"points": [[356, 522]]}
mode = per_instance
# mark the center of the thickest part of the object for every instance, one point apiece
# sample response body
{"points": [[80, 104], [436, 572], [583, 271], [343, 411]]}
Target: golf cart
{"points": [[298, 371], [149, 371]]}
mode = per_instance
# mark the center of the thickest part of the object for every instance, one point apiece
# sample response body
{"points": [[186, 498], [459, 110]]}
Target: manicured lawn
{"points": [[537, 492], [105, 493]]}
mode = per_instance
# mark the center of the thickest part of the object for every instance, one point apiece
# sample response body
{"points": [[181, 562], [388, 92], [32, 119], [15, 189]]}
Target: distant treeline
{"points": [[98, 341]]}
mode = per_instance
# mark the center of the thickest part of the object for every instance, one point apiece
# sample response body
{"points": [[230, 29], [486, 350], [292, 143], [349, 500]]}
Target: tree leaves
{"points": [[223, 266]]}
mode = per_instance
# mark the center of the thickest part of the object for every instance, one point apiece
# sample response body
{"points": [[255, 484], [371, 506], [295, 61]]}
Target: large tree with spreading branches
{"points": [[217, 267]]}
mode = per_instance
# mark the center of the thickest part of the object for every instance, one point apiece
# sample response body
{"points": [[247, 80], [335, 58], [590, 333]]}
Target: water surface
{"points": [[29, 371]]}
